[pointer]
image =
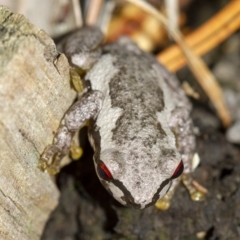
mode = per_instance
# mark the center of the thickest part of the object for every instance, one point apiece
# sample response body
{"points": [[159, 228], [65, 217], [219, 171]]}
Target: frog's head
{"points": [[136, 180]]}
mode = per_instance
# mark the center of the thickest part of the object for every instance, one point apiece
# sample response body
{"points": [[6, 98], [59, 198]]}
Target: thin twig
{"points": [[201, 72], [77, 13], [93, 11]]}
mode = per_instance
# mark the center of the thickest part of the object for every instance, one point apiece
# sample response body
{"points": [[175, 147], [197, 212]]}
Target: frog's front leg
{"points": [[181, 125], [85, 108], [186, 145]]}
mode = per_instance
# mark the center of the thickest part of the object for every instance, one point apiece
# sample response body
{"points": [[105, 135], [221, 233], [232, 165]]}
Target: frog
{"points": [[139, 120]]}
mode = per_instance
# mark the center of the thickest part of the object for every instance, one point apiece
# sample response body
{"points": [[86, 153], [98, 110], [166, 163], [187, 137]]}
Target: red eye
{"points": [[178, 171], [104, 172]]}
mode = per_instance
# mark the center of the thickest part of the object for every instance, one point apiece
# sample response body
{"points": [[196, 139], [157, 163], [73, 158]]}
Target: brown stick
{"points": [[206, 37]]}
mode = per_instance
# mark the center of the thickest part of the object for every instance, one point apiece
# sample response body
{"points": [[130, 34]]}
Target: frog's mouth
{"points": [[120, 193], [124, 196]]}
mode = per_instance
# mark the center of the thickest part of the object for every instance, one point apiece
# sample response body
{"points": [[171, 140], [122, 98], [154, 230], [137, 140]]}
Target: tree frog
{"points": [[140, 128]]}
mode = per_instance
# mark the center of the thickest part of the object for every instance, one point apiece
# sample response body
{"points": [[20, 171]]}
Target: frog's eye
{"points": [[178, 171], [103, 172]]}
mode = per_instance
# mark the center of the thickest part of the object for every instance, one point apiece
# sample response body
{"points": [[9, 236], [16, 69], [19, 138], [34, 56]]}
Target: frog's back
{"points": [[135, 89], [138, 100], [139, 76]]}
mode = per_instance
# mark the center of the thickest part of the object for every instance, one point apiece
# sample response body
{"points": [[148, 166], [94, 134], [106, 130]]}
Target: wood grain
{"points": [[34, 94]]}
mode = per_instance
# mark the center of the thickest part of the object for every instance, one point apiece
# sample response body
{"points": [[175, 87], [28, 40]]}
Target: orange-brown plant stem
{"points": [[206, 37]]}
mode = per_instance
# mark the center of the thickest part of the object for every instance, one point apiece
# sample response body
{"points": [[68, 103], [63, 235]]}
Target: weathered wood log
{"points": [[34, 94]]}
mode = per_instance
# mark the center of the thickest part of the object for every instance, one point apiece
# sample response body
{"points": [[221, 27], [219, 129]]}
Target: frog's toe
{"points": [[76, 80], [163, 204], [42, 164], [196, 191], [53, 169], [76, 152], [197, 196]]}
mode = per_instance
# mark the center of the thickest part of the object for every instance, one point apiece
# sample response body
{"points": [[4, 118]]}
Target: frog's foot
{"points": [[44, 160], [52, 168], [76, 79], [42, 164], [165, 202], [50, 160], [196, 191], [75, 151]]}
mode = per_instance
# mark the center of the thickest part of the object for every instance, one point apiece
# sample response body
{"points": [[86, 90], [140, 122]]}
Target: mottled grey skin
{"points": [[82, 47], [140, 127]]}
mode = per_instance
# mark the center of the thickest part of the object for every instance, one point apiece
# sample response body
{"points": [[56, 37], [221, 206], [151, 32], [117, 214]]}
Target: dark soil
{"points": [[87, 211]]}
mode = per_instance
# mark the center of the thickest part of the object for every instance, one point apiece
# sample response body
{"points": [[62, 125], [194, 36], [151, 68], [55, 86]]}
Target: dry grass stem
{"points": [[172, 12]]}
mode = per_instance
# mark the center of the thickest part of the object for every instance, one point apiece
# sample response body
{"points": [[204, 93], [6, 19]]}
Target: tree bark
{"points": [[34, 94]]}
